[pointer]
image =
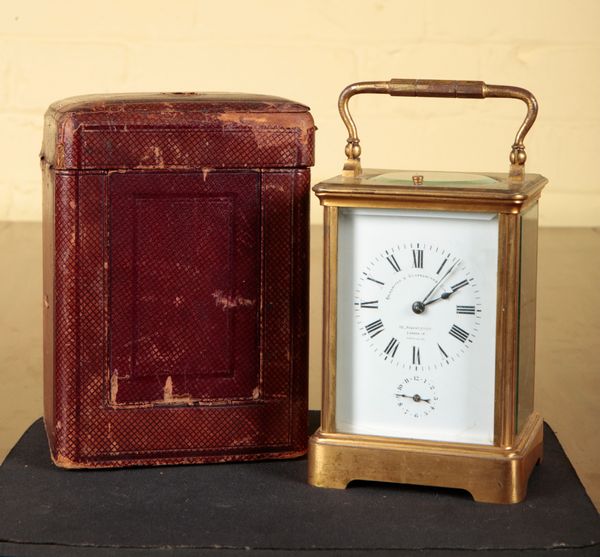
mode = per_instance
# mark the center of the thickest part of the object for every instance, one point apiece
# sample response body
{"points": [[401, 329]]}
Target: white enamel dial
{"points": [[416, 322]]}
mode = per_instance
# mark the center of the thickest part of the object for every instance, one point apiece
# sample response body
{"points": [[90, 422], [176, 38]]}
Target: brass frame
{"points": [[497, 473]]}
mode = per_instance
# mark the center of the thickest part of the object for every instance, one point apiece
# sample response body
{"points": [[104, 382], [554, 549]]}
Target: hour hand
{"points": [[444, 296], [419, 306]]}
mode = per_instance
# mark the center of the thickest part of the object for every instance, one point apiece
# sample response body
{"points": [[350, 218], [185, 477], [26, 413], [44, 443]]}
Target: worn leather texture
{"points": [[176, 278]]}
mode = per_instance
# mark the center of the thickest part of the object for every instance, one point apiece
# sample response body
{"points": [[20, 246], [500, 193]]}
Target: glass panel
{"points": [[432, 178], [416, 324], [527, 305]]}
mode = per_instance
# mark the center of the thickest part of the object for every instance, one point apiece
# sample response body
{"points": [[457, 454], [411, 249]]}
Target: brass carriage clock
{"points": [[429, 318]]}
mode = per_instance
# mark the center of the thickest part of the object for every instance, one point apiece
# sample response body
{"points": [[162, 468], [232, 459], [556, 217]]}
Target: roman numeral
{"points": [[374, 328], [375, 280], [466, 310], [392, 261], [441, 266], [418, 258], [442, 351], [459, 285], [391, 348], [459, 333], [416, 356], [370, 305]]}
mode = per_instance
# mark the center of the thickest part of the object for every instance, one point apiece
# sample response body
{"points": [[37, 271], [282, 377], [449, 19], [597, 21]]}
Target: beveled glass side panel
{"points": [[527, 307]]}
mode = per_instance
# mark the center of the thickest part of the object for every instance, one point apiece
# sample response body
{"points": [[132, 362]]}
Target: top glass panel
{"points": [[432, 178]]}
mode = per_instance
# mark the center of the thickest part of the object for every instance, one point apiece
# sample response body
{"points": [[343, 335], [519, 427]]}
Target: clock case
{"points": [[176, 239], [495, 473]]}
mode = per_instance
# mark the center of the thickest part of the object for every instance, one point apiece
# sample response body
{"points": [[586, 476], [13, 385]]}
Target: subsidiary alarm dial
{"points": [[416, 396]]}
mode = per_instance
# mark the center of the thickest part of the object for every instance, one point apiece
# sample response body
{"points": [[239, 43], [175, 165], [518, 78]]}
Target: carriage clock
{"points": [[429, 318]]}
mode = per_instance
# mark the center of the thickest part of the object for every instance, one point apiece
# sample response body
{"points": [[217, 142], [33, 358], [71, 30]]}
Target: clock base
{"points": [[490, 474]]}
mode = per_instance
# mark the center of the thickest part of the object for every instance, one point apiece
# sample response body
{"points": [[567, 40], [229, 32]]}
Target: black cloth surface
{"points": [[267, 508]]}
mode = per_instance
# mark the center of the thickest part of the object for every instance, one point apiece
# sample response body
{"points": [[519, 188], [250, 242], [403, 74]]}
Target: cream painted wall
{"points": [[308, 51]]}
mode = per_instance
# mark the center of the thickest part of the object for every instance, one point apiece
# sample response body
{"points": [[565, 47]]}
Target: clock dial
{"points": [[416, 324], [424, 310]]}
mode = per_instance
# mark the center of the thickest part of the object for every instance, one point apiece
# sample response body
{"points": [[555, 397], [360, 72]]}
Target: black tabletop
{"points": [[267, 508]]}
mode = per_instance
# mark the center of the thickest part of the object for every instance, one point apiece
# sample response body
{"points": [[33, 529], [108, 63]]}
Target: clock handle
{"points": [[437, 88]]}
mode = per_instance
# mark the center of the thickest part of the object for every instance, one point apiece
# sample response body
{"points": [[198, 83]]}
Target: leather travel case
{"points": [[175, 278]]}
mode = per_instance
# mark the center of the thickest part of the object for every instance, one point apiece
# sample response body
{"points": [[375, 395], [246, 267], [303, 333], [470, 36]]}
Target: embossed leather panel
{"points": [[184, 281]]}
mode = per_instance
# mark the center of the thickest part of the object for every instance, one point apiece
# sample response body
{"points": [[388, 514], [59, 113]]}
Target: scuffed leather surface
{"points": [[122, 132], [176, 319]]}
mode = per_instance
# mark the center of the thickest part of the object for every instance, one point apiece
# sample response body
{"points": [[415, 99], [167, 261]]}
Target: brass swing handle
{"points": [[437, 88]]}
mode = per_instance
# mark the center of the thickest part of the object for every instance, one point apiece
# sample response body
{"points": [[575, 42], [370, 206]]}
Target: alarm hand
{"points": [[416, 398]]}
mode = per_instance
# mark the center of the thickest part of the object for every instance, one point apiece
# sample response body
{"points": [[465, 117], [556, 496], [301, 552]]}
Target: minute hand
{"points": [[439, 282]]}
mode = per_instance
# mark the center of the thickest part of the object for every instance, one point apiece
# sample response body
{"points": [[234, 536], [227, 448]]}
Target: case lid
{"points": [[177, 130]]}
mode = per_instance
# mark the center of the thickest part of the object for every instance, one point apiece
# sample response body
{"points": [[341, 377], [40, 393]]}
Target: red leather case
{"points": [[175, 278]]}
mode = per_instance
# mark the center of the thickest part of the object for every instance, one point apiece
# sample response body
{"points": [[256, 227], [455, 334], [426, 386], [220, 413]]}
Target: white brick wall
{"points": [[309, 51]]}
